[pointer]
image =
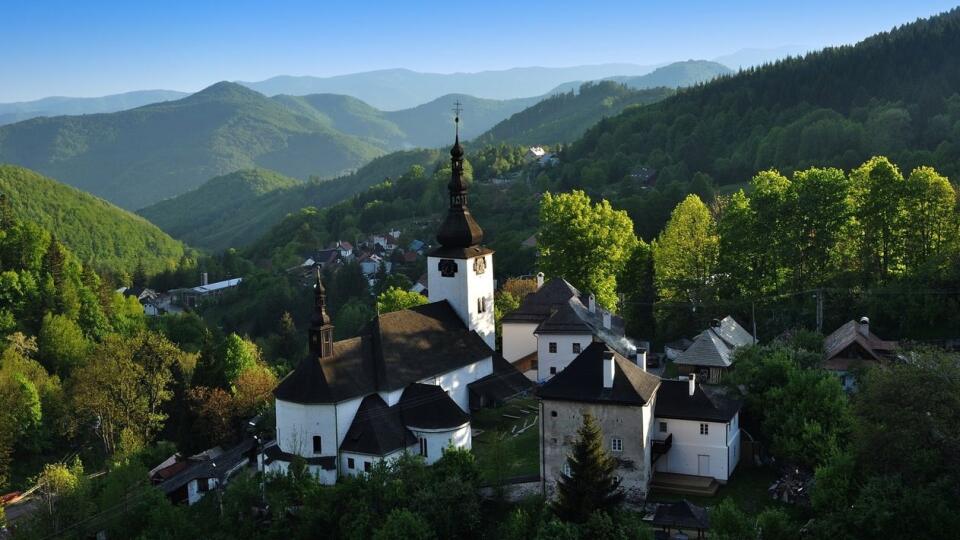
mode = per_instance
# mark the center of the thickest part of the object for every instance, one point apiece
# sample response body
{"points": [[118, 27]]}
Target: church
{"points": [[410, 380]]}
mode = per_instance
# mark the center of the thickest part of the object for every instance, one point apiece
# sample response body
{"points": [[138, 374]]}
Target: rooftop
{"points": [[582, 380]]}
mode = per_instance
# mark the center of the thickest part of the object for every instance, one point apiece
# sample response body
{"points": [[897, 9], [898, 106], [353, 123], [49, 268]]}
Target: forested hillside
{"points": [[140, 156], [564, 117], [102, 235], [235, 209], [895, 94]]}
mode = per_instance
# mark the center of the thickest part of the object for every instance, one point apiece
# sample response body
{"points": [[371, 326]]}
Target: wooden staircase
{"points": [[684, 484]]}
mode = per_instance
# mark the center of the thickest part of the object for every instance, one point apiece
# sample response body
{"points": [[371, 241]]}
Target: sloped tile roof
{"points": [[848, 334], [709, 403], [376, 429], [399, 348], [714, 346], [582, 380], [427, 406]]}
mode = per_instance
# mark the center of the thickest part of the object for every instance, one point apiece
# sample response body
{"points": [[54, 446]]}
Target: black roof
{"points": [[400, 348], [505, 382], [377, 429], [459, 229], [274, 453], [564, 320], [427, 406], [538, 306], [582, 380], [209, 468], [709, 403]]}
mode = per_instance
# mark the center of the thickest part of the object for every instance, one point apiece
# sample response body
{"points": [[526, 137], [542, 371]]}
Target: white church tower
{"points": [[460, 271]]}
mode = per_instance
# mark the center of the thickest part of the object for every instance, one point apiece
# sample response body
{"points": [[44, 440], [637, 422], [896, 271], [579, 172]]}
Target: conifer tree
{"points": [[591, 484]]}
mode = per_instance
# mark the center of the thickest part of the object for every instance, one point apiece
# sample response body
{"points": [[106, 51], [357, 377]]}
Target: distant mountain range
{"points": [[393, 89], [99, 233], [56, 106], [137, 157]]}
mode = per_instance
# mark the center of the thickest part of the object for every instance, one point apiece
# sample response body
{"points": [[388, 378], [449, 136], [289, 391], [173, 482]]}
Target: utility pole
{"points": [[753, 317], [819, 311]]}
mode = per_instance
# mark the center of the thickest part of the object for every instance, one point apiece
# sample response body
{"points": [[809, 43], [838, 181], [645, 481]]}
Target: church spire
{"points": [[321, 328], [459, 229]]}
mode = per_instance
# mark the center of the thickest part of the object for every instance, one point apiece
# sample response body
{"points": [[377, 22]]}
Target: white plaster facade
{"points": [[439, 439], [518, 340], [551, 363], [713, 454], [469, 291], [455, 382]]}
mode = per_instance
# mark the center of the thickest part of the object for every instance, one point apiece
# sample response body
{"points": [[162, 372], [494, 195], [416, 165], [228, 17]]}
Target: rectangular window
{"points": [[317, 447], [576, 348], [423, 446], [350, 463], [553, 414], [663, 427], [552, 347], [367, 466], [704, 429], [566, 469], [616, 445], [481, 305], [203, 485], [553, 371]]}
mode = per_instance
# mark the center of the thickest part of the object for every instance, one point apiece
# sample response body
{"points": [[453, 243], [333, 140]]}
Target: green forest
{"points": [[99, 233]]}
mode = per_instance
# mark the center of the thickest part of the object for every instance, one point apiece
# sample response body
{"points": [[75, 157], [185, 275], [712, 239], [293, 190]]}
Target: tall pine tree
{"points": [[591, 485]]}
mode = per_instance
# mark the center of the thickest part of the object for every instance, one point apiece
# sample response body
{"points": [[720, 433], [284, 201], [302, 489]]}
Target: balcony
{"points": [[660, 447]]}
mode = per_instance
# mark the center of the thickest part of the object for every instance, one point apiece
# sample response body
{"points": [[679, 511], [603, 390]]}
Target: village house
{"points": [[406, 384], [534, 153], [710, 354], [620, 395], [555, 324], [345, 248], [188, 480], [697, 430], [854, 347]]}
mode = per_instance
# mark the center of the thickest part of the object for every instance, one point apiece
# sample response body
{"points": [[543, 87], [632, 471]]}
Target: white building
{"points": [[554, 324], [407, 383], [697, 430]]}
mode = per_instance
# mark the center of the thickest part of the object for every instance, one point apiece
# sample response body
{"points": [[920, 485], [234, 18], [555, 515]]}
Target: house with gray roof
{"points": [[711, 352], [555, 324], [853, 347]]}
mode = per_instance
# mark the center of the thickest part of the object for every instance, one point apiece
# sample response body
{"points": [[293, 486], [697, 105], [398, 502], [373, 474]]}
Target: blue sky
{"points": [[89, 48]]}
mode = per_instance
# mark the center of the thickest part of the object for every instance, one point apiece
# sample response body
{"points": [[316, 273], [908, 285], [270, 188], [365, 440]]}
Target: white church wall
{"points": [[297, 424], [518, 340], [346, 411], [360, 460], [455, 382], [438, 440]]}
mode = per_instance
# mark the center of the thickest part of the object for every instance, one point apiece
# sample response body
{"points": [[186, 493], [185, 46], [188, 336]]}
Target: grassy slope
{"points": [[95, 230]]}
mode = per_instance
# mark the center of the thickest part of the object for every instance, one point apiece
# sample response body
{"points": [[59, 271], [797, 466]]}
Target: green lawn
{"points": [[500, 453]]}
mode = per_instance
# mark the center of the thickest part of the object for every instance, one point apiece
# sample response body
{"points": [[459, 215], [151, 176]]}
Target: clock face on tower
{"points": [[447, 267], [480, 265]]}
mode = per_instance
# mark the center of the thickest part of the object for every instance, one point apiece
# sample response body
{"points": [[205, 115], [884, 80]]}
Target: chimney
{"points": [[592, 303], [539, 280], [606, 320], [864, 326], [204, 279], [692, 384], [642, 358], [608, 369]]}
